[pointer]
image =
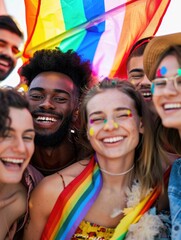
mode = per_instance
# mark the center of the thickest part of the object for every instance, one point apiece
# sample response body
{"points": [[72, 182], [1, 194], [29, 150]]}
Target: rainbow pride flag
{"points": [[102, 31]]}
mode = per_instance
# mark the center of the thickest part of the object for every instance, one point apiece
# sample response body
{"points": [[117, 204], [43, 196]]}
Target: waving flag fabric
{"points": [[102, 31]]}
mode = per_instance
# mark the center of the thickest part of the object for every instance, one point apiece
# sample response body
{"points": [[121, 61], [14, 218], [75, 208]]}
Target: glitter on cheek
{"points": [[152, 88], [105, 121], [179, 71], [133, 82], [91, 131], [115, 124], [158, 73], [163, 70], [129, 113]]}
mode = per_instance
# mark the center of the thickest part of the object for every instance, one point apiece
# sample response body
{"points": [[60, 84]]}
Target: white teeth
{"points": [[170, 106], [46, 119], [112, 140], [12, 160], [4, 63], [147, 94]]}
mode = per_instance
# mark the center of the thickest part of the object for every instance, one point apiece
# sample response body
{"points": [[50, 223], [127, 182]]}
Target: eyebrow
{"points": [[6, 42], [136, 70], [96, 113], [54, 90], [27, 130], [3, 41], [116, 109], [30, 130]]}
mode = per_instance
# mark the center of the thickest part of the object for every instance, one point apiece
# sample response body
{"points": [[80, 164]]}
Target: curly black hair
{"points": [[9, 98], [68, 63]]}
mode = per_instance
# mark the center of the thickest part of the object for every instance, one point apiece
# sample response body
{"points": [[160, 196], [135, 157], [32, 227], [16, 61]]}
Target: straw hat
{"points": [[155, 48]]}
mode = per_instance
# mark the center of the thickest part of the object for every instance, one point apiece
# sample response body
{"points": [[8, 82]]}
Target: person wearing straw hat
{"points": [[162, 64]]}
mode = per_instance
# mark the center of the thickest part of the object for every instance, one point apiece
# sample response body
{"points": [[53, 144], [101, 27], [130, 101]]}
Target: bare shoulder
{"points": [[53, 185], [73, 170], [40, 198]]}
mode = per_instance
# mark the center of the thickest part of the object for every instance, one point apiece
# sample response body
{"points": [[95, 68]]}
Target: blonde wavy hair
{"points": [[148, 167]]}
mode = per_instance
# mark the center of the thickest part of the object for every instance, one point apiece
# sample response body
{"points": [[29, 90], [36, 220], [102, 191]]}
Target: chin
{"points": [[14, 179]]}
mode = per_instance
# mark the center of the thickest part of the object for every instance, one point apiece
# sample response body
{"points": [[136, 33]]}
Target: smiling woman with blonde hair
{"points": [[108, 195]]}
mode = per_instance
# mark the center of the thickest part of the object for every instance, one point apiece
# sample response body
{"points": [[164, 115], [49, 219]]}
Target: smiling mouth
{"points": [[46, 119], [4, 63], [146, 94], [12, 161], [172, 106], [113, 139]]}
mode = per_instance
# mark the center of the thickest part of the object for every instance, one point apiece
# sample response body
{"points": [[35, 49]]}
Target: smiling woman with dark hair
{"points": [[16, 148]]}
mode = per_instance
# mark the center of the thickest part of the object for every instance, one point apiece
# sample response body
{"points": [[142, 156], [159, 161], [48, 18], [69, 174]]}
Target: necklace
{"points": [[117, 174]]}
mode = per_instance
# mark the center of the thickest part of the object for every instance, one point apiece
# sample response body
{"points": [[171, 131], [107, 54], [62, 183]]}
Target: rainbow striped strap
{"points": [[73, 204], [137, 212]]}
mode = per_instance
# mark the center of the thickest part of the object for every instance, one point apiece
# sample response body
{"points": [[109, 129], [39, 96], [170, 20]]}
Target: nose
{"points": [[145, 81], [170, 89], [47, 103], [110, 125], [19, 145]]}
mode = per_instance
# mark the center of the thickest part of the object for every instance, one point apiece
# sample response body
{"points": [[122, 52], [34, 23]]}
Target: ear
{"points": [[141, 127], [88, 137], [75, 114]]}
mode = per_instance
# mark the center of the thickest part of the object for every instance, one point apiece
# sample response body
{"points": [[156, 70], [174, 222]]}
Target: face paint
{"points": [[133, 82], [158, 73], [129, 113], [115, 124], [91, 131], [152, 88], [179, 71], [163, 70], [91, 121]]}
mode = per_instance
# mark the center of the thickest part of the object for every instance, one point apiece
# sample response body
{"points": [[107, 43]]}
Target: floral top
{"points": [[151, 226], [92, 231]]}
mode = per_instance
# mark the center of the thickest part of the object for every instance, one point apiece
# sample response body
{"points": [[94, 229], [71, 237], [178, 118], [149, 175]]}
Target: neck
{"points": [[53, 159], [117, 174]]}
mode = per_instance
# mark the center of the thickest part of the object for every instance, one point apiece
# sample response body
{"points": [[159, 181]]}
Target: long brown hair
{"points": [[148, 169]]}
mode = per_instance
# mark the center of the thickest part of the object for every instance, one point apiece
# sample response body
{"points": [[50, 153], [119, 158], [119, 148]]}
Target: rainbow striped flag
{"points": [[102, 31]]}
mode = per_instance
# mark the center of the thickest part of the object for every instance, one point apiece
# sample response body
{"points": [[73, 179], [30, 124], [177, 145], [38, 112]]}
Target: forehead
{"points": [[109, 100], [53, 80], [20, 118], [171, 63], [10, 38], [135, 62]]}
